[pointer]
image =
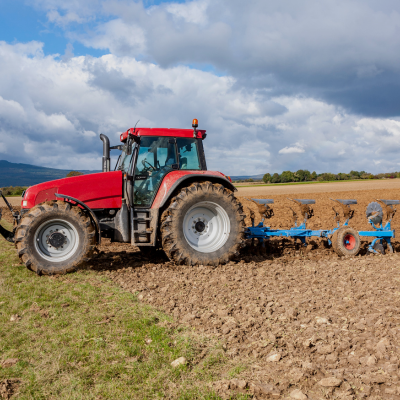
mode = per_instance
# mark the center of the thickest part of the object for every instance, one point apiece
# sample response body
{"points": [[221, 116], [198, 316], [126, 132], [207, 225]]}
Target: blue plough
{"points": [[344, 239]]}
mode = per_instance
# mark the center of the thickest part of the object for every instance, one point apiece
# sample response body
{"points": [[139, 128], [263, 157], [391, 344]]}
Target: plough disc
{"points": [[374, 212]]}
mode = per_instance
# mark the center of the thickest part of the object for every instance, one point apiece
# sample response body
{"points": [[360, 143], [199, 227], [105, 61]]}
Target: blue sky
{"points": [[278, 85], [20, 21]]}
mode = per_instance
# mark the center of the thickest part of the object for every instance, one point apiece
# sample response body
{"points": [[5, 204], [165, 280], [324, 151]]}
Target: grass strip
{"points": [[79, 336]]}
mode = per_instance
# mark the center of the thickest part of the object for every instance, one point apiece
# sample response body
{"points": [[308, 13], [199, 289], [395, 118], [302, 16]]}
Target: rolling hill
{"points": [[13, 174]]}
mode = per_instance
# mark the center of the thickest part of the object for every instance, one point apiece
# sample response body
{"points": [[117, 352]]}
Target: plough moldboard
{"points": [[344, 239]]}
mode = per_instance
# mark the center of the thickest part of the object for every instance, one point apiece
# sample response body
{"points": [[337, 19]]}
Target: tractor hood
{"points": [[101, 190]]}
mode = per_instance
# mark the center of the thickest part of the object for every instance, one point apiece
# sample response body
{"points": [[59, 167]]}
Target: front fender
{"points": [[92, 215], [176, 179]]}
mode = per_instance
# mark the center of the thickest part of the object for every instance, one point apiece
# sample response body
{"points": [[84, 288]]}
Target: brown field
{"points": [[338, 186], [296, 318], [14, 201]]}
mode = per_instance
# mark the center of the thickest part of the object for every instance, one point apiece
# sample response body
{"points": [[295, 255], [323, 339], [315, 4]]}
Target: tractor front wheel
{"points": [[203, 225], [346, 241], [55, 238]]}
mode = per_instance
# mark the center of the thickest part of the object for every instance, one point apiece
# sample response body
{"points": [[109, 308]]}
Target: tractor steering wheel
{"points": [[144, 162]]}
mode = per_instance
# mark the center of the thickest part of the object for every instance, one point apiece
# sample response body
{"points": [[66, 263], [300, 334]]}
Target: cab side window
{"points": [[188, 153]]}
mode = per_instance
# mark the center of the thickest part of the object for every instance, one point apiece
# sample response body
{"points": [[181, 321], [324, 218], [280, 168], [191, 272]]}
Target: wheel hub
{"points": [[57, 239], [349, 242], [200, 226]]}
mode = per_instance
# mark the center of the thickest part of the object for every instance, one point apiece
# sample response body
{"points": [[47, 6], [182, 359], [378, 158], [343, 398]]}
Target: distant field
{"points": [[14, 201], [316, 187]]}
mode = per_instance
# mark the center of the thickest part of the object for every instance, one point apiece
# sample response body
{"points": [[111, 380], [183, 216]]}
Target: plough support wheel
{"points": [[346, 241]]}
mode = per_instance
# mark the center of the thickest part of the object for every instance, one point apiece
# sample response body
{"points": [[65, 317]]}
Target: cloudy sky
{"points": [[289, 84]]}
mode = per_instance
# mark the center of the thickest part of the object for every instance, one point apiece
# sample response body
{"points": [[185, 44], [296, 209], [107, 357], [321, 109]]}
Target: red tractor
{"points": [[160, 195]]}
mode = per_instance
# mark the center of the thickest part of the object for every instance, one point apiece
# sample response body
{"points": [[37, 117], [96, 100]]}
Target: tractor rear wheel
{"points": [[203, 225], [55, 238], [346, 241]]}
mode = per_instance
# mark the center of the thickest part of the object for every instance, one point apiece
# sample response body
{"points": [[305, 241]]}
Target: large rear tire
{"points": [[55, 238], [346, 241], [203, 225]]}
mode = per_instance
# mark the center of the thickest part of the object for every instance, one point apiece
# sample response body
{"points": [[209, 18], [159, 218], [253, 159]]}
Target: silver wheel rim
{"points": [[63, 252], [206, 227]]}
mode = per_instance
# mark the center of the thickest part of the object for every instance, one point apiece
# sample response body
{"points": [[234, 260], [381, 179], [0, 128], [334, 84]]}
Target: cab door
{"points": [[156, 157]]}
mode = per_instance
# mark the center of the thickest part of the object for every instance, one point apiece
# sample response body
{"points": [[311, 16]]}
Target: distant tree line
{"points": [[13, 190], [303, 175], [74, 173]]}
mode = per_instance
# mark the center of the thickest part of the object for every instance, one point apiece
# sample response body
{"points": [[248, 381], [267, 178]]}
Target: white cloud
{"points": [[51, 113], [192, 12], [291, 150], [345, 52], [63, 20], [119, 37]]}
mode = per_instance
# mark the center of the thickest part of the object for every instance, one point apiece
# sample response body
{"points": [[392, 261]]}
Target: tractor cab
{"points": [[148, 155]]}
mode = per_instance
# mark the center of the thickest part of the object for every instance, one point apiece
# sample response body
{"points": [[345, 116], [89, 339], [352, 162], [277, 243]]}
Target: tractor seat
{"points": [[347, 202], [264, 201], [390, 202], [306, 201]]}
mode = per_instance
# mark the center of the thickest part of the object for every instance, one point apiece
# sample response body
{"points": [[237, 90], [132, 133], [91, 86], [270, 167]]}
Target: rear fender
{"points": [[174, 181]]}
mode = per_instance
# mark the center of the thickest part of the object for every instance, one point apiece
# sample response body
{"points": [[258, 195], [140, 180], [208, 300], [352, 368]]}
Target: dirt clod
{"points": [[9, 362], [179, 361], [330, 382], [15, 318], [297, 394], [8, 387]]}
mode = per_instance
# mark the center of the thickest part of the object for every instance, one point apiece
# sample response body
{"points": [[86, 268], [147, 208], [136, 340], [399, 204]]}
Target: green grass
{"points": [[81, 337], [306, 183]]}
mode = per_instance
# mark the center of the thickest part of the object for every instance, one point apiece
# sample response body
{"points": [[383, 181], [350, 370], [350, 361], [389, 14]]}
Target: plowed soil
{"points": [[298, 318]]}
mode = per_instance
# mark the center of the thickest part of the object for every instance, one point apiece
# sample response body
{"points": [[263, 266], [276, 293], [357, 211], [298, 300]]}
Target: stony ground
{"points": [[295, 322], [302, 322]]}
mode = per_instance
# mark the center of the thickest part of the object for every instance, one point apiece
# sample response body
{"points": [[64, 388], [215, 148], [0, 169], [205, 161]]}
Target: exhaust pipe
{"points": [[106, 153]]}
